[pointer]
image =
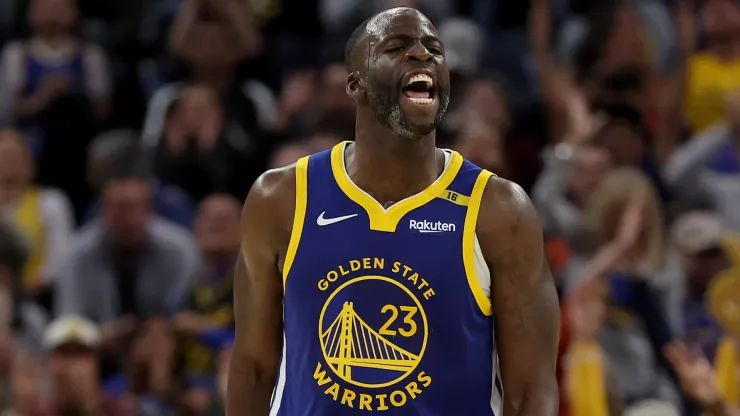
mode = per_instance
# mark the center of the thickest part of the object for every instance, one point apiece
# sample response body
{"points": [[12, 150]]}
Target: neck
{"points": [[388, 167], [216, 77], [54, 38]]}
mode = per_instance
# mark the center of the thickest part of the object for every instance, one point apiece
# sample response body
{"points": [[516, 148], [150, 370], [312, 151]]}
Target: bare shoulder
{"points": [[275, 185], [506, 208], [267, 215], [510, 233]]}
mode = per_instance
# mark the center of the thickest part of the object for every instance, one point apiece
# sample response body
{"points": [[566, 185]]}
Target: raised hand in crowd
{"points": [[569, 114], [615, 253], [698, 379]]}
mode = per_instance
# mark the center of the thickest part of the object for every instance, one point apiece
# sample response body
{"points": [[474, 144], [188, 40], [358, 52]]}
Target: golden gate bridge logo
{"points": [[349, 343]]}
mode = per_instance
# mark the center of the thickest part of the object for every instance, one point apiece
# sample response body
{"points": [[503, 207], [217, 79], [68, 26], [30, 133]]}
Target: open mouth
{"points": [[419, 89]]}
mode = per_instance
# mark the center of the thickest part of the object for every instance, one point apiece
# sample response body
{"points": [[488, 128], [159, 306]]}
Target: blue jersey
{"points": [[386, 310]]}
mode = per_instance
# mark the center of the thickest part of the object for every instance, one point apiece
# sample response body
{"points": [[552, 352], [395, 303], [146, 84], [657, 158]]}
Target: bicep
{"points": [[525, 303]]}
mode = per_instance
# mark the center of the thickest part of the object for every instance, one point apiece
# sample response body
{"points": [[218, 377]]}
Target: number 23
{"points": [[408, 319]]}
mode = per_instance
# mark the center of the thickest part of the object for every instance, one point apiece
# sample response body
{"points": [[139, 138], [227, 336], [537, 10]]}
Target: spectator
{"points": [[44, 215], [213, 38], [333, 86], [216, 35], [294, 103], [54, 62], [617, 83], [117, 151], [74, 343], [641, 278], [704, 171], [128, 265], [629, 143], [572, 173], [202, 152], [481, 144], [60, 90], [706, 251], [589, 389], [125, 273], [485, 100], [713, 74], [207, 307]]}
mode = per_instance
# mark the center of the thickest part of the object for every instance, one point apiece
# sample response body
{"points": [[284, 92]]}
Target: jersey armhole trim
{"points": [[468, 247], [301, 200]]}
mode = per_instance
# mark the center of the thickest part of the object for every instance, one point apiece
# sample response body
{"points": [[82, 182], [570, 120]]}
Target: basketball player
{"points": [[373, 273]]}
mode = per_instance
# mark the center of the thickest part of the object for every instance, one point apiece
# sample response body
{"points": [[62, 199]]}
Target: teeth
{"points": [[421, 101], [421, 78]]}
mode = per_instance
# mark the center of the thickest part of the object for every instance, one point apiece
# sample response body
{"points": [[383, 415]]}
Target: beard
{"points": [[384, 101]]}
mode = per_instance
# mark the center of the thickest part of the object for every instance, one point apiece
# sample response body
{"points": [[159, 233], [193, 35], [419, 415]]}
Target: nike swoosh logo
{"points": [[430, 231], [321, 221]]}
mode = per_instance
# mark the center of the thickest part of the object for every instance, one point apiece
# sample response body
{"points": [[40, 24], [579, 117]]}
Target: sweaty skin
{"points": [[394, 156]]}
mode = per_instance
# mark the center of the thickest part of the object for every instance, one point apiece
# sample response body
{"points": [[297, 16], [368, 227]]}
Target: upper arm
{"points": [[98, 72], [523, 296], [57, 213], [258, 288]]}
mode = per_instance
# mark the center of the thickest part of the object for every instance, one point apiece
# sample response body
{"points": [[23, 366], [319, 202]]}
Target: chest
{"points": [[37, 69]]}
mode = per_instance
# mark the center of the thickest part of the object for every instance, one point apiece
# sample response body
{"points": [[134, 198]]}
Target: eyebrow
{"points": [[405, 37]]}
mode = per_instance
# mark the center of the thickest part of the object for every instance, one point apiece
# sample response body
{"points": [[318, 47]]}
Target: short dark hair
{"points": [[354, 40], [13, 249]]}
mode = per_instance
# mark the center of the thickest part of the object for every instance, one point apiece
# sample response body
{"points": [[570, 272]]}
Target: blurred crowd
{"points": [[132, 130]]}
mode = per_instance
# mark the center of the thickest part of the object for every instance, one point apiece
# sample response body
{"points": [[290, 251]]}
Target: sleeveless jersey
{"points": [[386, 310]]}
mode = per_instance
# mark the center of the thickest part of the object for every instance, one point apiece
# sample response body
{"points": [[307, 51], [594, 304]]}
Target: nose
{"points": [[419, 53]]}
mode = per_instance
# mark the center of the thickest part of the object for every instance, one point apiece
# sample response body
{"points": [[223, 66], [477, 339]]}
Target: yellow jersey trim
{"points": [[468, 248], [387, 219], [301, 199], [455, 198], [29, 218], [730, 242]]}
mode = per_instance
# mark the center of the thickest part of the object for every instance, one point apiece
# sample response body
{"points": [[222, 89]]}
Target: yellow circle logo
{"points": [[373, 331]]}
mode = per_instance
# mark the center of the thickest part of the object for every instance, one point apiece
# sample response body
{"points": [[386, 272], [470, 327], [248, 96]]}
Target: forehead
{"points": [[399, 22]]}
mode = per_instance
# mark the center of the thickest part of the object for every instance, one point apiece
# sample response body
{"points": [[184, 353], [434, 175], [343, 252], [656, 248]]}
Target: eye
{"points": [[396, 48], [436, 51]]}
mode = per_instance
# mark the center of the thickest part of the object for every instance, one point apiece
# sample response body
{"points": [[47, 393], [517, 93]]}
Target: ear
{"points": [[355, 85]]}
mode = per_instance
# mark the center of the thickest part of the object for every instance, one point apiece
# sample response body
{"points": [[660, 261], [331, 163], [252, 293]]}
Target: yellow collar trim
{"points": [[382, 219]]}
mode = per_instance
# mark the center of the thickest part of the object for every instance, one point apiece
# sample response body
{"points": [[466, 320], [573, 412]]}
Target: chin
{"points": [[410, 130]]}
